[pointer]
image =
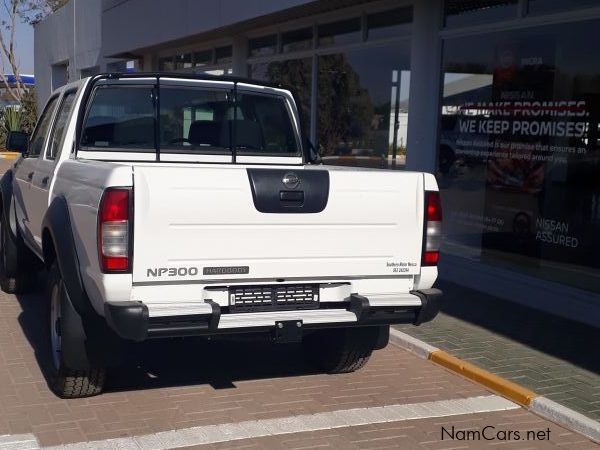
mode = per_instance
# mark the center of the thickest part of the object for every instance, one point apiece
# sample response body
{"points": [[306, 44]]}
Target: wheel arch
{"points": [[58, 246]]}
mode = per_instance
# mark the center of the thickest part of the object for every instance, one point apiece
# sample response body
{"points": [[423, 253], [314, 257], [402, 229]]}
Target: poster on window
{"points": [[536, 138]]}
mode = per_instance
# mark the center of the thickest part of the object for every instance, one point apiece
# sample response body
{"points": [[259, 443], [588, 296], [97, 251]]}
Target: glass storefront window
{"points": [[166, 64], [183, 61], [363, 106], [549, 6], [388, 23], [342, 32], [223, 54], [519, 156], [203, 58], [459, 13], [263, 46], [296, 40], [292, 73]]}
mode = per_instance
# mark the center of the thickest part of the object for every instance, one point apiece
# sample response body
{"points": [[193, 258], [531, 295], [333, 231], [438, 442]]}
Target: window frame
{"points": [[182, 151], [89, 100], [53, 98], [48, 147]]}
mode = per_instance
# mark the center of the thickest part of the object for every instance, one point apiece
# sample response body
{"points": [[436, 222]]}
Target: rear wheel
{"points": [[10, 283], [341, 350], [66, 382]]}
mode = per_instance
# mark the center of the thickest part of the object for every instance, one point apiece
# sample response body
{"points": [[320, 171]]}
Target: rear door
{"points": [[25, 206], [46, 164], [209, 223]]}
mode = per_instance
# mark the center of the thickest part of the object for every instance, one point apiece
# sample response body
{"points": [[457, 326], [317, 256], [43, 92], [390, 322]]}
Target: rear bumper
{"points": [[131, 320]]}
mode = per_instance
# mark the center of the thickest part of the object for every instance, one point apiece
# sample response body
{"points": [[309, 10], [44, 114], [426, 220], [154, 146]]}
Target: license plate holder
{"points": [[288, 331], [263, 298]]}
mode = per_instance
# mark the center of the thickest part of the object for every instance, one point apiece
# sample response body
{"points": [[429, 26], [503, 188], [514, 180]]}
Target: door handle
{"points": [[45, 181], [30, 175]]}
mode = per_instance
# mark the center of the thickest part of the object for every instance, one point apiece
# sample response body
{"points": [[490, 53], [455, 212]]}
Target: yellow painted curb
{"points": [[504, 387], [9, 155]]}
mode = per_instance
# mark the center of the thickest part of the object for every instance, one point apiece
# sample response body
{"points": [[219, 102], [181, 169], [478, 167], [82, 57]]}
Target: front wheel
{"points": [[341, 350], [66, 382]]}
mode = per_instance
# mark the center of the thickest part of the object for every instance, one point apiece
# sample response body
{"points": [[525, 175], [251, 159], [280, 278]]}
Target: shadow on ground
{"points": [[568, 340], [173, 362]]}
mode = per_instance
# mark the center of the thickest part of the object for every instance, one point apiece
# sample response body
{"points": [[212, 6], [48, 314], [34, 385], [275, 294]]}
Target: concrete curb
{"points": [[558, 413], [535, 403]]}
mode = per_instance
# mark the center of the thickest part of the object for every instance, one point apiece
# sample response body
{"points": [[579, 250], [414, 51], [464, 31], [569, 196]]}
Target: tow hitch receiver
{"points": [[288, 331]]}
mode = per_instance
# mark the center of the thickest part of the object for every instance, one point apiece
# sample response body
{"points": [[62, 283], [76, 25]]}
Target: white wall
{"points": [[56, 43]]}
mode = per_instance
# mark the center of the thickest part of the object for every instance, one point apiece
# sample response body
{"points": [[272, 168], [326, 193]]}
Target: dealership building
{"points": [[499, 98]]}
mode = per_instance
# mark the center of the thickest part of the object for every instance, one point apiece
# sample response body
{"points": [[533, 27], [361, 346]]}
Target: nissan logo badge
{"points": [[290, 180]]}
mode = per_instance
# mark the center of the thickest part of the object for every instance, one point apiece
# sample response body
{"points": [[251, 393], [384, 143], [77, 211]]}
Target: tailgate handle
{"points": [[291, 196]]}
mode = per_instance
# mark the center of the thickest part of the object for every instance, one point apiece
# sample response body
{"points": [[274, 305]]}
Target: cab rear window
{"points": [[191, 120]]}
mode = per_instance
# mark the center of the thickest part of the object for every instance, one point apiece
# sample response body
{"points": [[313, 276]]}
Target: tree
{"points": [[29, 108], [345, 107], [27, 11]]}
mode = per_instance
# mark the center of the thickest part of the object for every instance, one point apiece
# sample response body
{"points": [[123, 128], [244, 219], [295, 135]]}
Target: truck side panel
{"points": [[82, 184]]}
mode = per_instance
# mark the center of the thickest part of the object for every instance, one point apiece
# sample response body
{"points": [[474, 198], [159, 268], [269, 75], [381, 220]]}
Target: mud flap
{"points": [[73, 337], [86, 345]]}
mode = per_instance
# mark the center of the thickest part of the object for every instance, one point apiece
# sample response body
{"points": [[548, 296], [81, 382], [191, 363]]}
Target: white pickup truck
{"points": [[168, 205]]}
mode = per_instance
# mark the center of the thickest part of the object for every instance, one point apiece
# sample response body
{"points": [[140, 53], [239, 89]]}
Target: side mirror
{"points": [[313, 154], [17, 141]]}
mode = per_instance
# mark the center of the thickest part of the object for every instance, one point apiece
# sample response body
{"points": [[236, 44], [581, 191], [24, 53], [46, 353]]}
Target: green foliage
{"points": [[33, 11], [12, 118], [19, 118], [29, 108]]}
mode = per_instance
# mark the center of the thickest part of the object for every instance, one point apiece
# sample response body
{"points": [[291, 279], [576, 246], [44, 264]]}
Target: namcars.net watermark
{"points": [[492, 433]]}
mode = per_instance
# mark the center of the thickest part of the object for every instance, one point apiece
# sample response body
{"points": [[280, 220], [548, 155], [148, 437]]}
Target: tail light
{"points": [[433, 228], [114, 249]]}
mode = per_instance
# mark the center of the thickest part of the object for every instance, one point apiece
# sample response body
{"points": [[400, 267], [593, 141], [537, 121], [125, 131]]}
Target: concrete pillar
{"points": [[149, 62], [239, 56], [425, 79]]}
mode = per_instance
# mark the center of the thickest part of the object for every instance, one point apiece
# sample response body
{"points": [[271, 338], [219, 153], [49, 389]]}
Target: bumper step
{"points": [[132, 320]]}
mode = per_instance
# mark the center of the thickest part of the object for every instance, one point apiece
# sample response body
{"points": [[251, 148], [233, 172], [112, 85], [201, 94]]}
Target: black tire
{"points": [[66, 382], [341, 350], [10, 283]]}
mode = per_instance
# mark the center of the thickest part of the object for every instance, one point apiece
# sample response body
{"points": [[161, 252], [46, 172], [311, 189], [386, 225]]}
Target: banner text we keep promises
{"points": [[537, 118]]}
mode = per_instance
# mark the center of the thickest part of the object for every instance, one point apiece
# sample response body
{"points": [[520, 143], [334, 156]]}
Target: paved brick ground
{"points": [[179, 384], [554, 357], [5, 164]]}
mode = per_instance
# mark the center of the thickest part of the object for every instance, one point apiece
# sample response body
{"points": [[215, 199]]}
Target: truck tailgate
{"points": [[200, 223]]}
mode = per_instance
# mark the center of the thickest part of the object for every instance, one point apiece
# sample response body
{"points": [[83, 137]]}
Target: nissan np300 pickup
{"points": [[180, 205]]}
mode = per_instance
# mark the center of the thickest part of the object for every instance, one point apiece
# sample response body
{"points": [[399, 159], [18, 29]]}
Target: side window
{"points": [[60, 125], [36, 144]]}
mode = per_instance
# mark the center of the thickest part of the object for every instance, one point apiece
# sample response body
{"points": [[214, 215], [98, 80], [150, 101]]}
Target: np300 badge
{"points": [[172, 272], [291, 180]]}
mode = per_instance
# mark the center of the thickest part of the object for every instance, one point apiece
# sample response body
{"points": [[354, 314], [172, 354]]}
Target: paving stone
{"points": [[547, 354], [194, 383]]}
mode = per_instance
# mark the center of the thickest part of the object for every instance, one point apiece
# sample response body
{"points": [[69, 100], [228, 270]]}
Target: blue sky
{"points": [[23, 45]]}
